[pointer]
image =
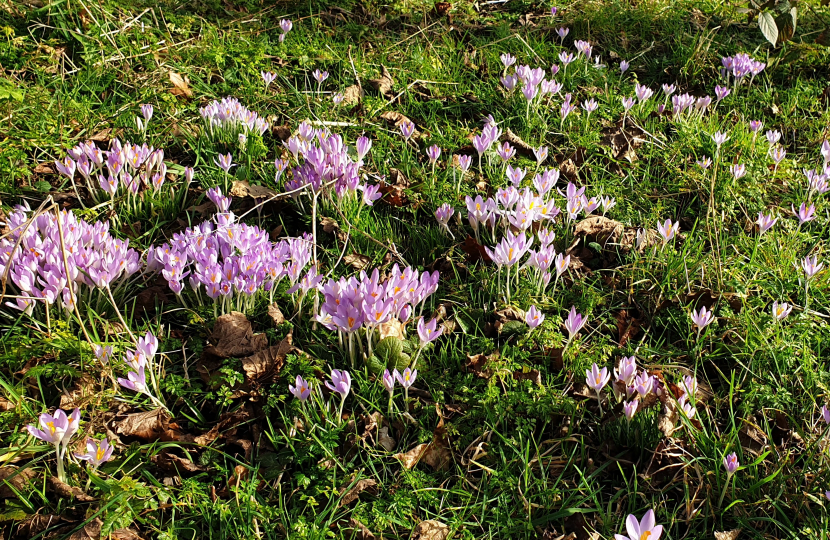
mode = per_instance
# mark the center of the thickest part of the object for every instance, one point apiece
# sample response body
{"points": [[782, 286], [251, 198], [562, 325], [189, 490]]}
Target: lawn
{"points": [[494, 269]]}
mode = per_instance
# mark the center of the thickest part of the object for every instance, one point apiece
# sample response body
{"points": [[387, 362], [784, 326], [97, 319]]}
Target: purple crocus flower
{"points": [[755, 126], [341, 382], [778, 154], [54, 427], [301, 389], [590, 106], [147, 111], [805, 213], [268, 77], [574, 322], [765, 222], [147, 346], [720, 138], [433, 153], [388, 382], [628, 103], [103, 353], [285, 27], [624, 66], [702, 318], [135, 381], [811, 266], [629, 408], [505, 151], [825, 414], [643, 384], [738, 170], [224, 162], [541, 154], [371, 193], [627, 370], [509, 82], [721, 92], [597, 378], [407, 378], [534, 317], [97, 452], [667, 230], [781, 311], [704, 163], [669, 89], [731, 464], [320, 76], [465, 161], [642, 92], [427, 332], [363, 145], [507, 59], [562, 32], [641, 530], [66, 167], [407, 129], [773, 136]]}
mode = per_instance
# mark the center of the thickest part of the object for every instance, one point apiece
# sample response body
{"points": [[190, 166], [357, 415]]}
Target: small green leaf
{"points": [[766, 22]]}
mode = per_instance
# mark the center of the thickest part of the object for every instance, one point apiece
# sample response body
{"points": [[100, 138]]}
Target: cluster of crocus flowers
{"points": [[123, 165], [229, 122], [632, 386], [367, 302], [39, 265], [285, 27], [340, 384], [141, 364], [405, 379], [736, 68], [231, 262], [323, 161], [58, 429]]}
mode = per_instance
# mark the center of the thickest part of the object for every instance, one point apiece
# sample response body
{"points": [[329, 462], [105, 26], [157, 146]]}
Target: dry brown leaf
{"points": [[80, 394], [173, 464], [412, 457], [599, 229], [357, 261], [430, 530], [385, 440], [150, 426], [267, 363], [233, 337], [353, 95], [14, 479], [531, 375], [90, 531], [44, 168], [728, 535], [63, 489], [352, 494], [6, 405], [384, 83], [395, 119], [205, 209], [242, 188], [393, 327], [329, 225], [628, 326], [355, 530], [478, 364], [283, 133], [181, 85], [474, 250], [668, 418], [125, 534], [275, 314], [105, 135], [522, 147], [623, 142]]}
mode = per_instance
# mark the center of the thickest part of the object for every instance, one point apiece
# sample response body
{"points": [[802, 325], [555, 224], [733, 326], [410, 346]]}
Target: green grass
{"points": [[527, 460]]}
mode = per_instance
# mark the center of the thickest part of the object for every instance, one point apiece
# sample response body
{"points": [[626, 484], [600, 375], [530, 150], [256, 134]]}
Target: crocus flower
{"points": [[268, 77], [627, 370], [755, 126], [534, 317], [687, 408], [541, 154], [562, 32], [641, 530], [811, 266], [805, 213], [778, 154], [781, 311], [427, 332], [320, 76], [285, 27], [388, 382], [629, 408], [97, 452], [704, 163], [590, 106], [505, 151], [371, 193], [720, 138], [667, 230], [738, 170], [669, 89], [433, 153], [702, 318], [628, 102], [624, 66], [338, 98], [54, 427], [147, 346], [507, 59], [341, 382], [147, 111], [825, 414], [301, 389], [407, 129], [225, 162], [464, 161], [597, 378], [561, 264], [103, 353], [407, 378], [731, 464], [721, 92], [773, 136], [574, 322], [643, 384], [765, 222]]}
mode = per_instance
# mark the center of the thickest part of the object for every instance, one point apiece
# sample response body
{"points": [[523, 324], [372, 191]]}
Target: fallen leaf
{"points": [[125, 534], [436, 453], [623, 141], [241, 188], [386, 440], [360, 486], [267, 363], [474, 250], [233, 337], [90, 531], [353, 95], [728, 535], [173, 464], [105, 135], [205, 209], [627, 326], [354, 530], [393, 191], [283, 133], [35, 524], [81, 393], [478, 364], [599, 229], [181, 85], [276, 315], [531, 375], [395, 119], [668, 418], [44, 168], [15, 479], [6, 405], [148, 426], [522, 147], [63, 489], [412, 457], [384, 83], [329, 225], [393, 327], [357, 261], [430, 530]]}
